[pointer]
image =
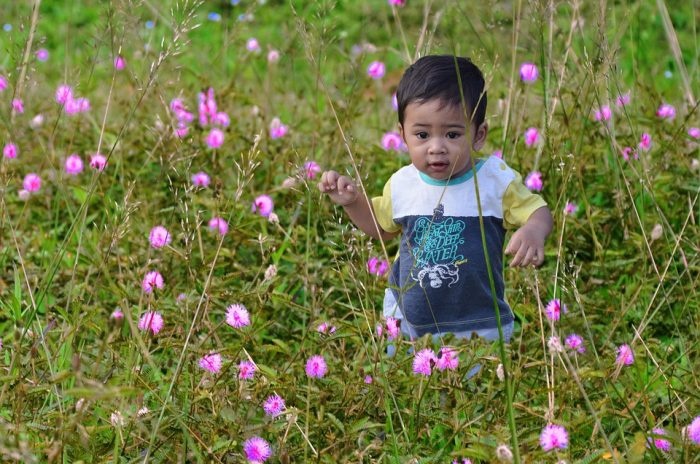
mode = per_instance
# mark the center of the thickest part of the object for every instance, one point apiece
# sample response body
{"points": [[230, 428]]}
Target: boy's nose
{"points": [[437, 146]]}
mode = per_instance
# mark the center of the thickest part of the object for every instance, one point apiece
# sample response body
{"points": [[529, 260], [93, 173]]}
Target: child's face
{"points": [[439, 140]]}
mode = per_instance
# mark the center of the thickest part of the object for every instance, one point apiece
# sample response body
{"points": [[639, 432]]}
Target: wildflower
{"points": [[554, 344], [117, 314], [181, 130], [394, 102], [215, 138], [64, 93], [273, 56], [246, 370], [42, 54], [368, 379], [211, 362], [448, 359], [656, 232], [503, 453], [693, 431], [392, 327], [570, 209], [554, 436], [252, 45], [10, 151], [201, 179], [217, 224], [392, 141], [498, 154], [533, 181], [274, 405], [397, 2], [152, 321], [464, 461], [532, 137], [270, 272], [221, 118], [3, 83], [273, 218], [142, 412], [214, 16], [666, 111], [380, 330], [528, 72], [626, 153], [624, 355], [257, 450], [554, 309], [23, 195], [623, 99], [17, 105], [500, 373], [116, 419], [152, 281], [316, 366], [32, 182], [98, 161], [645, 142], [311, 168], [263, 204], [603, 114], [376, 70], [83, 104], [575, 342], [159, 237], [74, 165], [119, 63], [694, 132], [36, 121], [277, 129], [424, 361], [237, 316], [377, 267], [659, 443]]}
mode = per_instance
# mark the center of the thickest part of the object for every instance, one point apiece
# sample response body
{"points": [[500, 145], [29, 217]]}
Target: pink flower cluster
{"points": [[316, 367], [376, 70], [246, 370], [263, 204], [666, 111], [528, 72], [277, 129], [393, 141], [151, 320], [183, 117], [325, 328], [159, 237], [211, 362], [554, 309], [533, 181], [425, 359], [257, 450], [657, 442], [554, 437], [71, 104], [274, 405], [532, 137], [625, 356], [237, 316], [311, 169], [377, 266], [603, 114], [575, 343]]}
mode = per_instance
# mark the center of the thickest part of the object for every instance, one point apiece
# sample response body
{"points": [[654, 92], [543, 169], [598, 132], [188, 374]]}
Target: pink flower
{"points": [[380, 330], [533, 181], [74, 165], [570, 208], [237, 316], [42, 54], [152, 321], [324, 328], [626, 153], [246, 370], [498, 154], [201, 179], [273, 56], [666, 111], [211, 362], [554, 436], [377, 267], [554, 309], [311, 168], [368, 379], [181, 130], [159, 237], [623, 99], [3, 83], [392, 141], [274, 405], [392, 327], [376, 70], [464, 461], [694, 132], [10, 151], [215, 138], [603, 114], [221, 118], [23, 195], [36, 121], [397, 2], [117, 315], [257, 450], [277, 129], [645, 142], [575, 342], [98, 161], [624, 355], [316, 366], [83, 104], [448, 359], [659, 443], [252, 45], [17, 105], [528, 72], [424, 361], [64, 93], [217, 224], [532, 137], [119, 63], [394, 102], [151, 281], [693, 431], [263, 205], [32, 183]]}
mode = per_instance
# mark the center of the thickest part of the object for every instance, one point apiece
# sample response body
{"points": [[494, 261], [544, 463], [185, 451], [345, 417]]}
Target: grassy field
{"points": [[88, 373]]}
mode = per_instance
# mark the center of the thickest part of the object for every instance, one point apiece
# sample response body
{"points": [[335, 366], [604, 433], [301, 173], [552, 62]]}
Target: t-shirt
{"points": [[440, 279]]}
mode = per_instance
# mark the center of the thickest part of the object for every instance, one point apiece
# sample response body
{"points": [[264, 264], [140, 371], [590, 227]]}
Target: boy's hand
{"points": [[527, 244], [341, 189]]}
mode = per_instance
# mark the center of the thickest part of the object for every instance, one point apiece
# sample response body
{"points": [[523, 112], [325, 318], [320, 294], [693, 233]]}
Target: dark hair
{"points": [[435, 77]]}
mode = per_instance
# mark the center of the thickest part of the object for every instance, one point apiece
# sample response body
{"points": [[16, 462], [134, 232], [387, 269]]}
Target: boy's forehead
{"points": [[435, 109]]}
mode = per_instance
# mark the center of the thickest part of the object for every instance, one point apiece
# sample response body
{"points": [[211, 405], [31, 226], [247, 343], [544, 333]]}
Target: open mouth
{"points": [[439, 165]]}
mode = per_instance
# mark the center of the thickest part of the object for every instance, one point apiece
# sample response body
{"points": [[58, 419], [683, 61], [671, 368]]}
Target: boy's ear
{"points": [[480, 136]]}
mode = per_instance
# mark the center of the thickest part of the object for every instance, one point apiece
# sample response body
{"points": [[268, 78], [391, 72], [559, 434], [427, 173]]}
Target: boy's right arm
{"points": [[343, 191]]}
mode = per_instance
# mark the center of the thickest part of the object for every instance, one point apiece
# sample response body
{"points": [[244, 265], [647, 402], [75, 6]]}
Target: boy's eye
{"points": [[422, 135], [453, 135]]}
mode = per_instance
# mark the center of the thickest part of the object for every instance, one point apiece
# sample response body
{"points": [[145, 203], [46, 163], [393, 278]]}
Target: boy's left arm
{"points": [[527, 243]]}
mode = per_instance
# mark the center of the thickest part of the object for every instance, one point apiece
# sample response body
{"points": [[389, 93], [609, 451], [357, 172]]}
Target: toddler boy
{"points": [[440, 283]]}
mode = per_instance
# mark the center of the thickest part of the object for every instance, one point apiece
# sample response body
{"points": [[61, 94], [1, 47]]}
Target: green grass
{"points": [[78, 249]]}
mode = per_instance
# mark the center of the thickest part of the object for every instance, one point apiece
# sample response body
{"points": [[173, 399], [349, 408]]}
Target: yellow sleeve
{"points": [[519, 203], [383, 211]]}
